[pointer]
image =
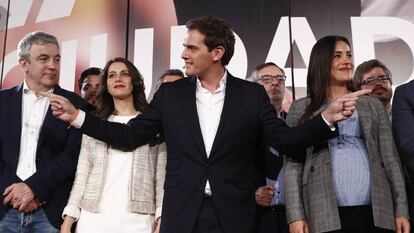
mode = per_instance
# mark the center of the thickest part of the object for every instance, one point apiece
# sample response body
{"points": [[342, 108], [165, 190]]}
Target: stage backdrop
{"points": [[150, 33]]}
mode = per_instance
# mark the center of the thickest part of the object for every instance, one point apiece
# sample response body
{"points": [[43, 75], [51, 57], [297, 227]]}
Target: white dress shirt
{"points": [[34, 110], [209, 108]]}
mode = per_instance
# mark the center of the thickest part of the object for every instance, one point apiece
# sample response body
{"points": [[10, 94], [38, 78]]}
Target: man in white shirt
{"points": [[211, 122], [38, 154]]}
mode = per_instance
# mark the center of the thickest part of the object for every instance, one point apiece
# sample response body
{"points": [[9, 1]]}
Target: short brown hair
{"points": [[217, 33], [364, 68]]}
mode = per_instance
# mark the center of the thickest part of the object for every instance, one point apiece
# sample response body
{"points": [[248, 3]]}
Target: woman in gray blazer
{"points": [[351, 183]]}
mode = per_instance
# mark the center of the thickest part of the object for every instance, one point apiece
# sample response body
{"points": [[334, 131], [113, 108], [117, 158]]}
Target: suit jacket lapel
{"points": [[187, 99], [48, 122], [16, 117], [232, 102]]}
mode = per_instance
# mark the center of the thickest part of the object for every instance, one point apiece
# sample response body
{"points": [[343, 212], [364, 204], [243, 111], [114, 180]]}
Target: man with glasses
{"points": [[271, 196], [374, 75]]}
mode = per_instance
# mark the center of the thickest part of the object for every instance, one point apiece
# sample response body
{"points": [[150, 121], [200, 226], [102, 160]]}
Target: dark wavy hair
{"points": [[216, 33], [104, 101], [90, 71], [319, 73]]}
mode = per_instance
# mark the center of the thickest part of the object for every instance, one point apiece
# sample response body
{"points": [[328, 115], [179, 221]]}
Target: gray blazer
{"points": [[309, 189]]}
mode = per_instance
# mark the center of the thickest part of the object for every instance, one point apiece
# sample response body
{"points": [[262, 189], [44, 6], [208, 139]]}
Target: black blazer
{"points": [[232, 165], [56, 156], [403, 129]]}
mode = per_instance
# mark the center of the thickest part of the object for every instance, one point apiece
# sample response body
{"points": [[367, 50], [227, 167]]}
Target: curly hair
{"points": [[104, 101]]}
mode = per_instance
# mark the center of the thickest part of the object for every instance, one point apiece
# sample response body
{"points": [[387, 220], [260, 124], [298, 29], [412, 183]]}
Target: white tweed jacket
{"points": [[145, 184]]}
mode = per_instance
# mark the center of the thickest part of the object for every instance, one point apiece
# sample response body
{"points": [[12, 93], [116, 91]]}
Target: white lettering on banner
{"points": [[55, 9], [68, 64], [143, 55], [280, 47], [98, 49], [10, 61], [19, 11], [365, 28], [3, 11], [237, 65], [177, 39], [50, 9]]}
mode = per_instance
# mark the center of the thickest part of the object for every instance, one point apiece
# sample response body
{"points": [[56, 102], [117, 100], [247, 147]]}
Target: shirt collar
{"points": [[27, 90], [282, 115], [222, 84]]}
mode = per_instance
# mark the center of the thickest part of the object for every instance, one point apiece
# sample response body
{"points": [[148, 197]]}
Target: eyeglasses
{"points": [[373, 80], [270, 78]]}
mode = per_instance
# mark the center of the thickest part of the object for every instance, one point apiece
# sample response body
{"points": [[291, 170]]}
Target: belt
{"points": [[275, 208]]}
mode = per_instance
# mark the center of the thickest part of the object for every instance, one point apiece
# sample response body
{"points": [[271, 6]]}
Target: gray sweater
{"points": [[145, 184]]}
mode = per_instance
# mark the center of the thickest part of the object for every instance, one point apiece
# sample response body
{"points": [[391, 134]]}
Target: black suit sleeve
{"points": [[139, 131], [296, 139], [403, 124]]}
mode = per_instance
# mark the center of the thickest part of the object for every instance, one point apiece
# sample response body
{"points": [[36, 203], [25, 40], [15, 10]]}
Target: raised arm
{"points": [[137, 132], [313, 132]]}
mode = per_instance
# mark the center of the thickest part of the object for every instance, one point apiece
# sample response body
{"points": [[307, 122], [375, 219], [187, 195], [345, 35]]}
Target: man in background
{"points": [[373, 74], [89, 84], [170, 75], [271, 196]]}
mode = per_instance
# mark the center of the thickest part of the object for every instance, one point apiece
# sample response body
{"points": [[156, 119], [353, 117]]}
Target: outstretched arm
{"points": [[312, 132], [136, 133], [343, 107]]}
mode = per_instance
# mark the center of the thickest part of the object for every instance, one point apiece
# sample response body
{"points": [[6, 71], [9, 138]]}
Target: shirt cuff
{"points": [[331, 126], [78, 122], [71, 211], [158, 212]]}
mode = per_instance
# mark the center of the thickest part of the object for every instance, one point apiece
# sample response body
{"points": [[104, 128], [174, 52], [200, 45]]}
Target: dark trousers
{"points": [[409, 184], [273, 220], [358, 219], [207, 219]]}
